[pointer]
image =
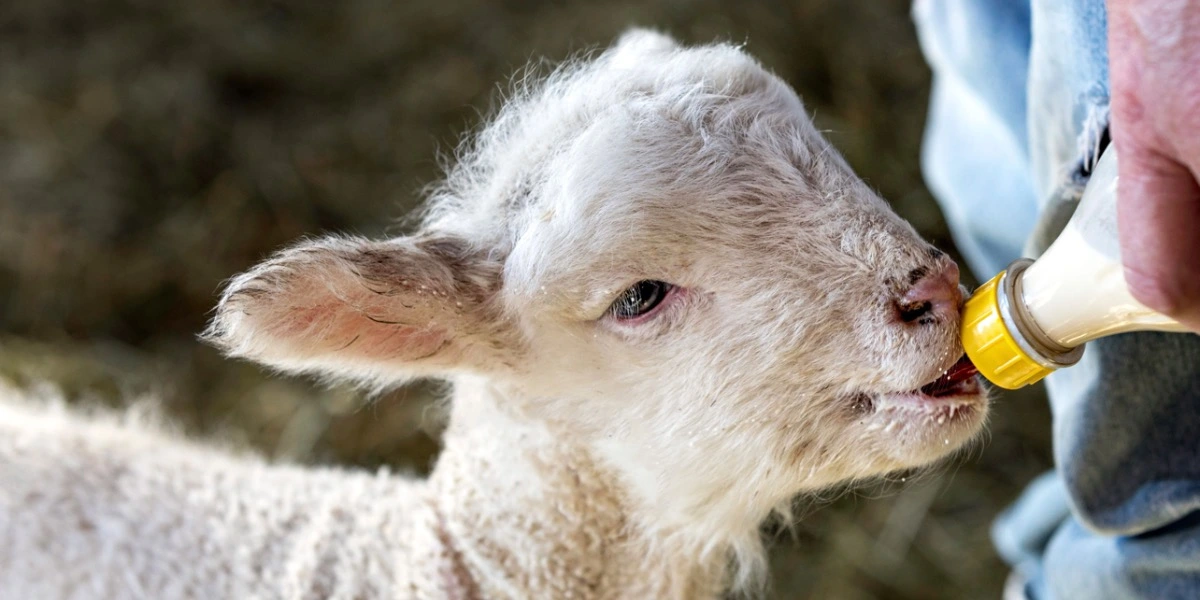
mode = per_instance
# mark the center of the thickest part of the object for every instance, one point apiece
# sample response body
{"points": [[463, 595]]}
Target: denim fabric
{"points": [[1018, 113], [975, 153]]}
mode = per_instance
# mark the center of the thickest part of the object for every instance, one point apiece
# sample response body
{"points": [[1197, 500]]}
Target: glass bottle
{"points": [[1035, 317]]}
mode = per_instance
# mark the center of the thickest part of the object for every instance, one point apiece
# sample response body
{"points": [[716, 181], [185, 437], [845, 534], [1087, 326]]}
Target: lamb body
{"points": [[590, 453], [108, 507]]}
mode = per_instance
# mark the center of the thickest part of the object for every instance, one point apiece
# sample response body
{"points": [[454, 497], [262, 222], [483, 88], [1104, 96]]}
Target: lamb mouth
{"points": [[957, 390], [961, 379]]}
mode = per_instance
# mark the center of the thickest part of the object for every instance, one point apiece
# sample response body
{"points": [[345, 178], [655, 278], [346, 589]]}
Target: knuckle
{"points": [[1158, 290]]}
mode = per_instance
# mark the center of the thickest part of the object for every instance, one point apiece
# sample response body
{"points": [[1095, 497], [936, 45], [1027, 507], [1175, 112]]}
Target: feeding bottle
{"points": [[1036, 316]]}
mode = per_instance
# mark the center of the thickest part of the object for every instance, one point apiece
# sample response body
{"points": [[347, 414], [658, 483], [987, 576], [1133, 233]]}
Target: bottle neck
{"points": [[1025, 330], [1076, 292]]}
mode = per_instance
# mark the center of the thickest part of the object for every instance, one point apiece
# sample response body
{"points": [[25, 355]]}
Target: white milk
{"points": [[1076, 292]]}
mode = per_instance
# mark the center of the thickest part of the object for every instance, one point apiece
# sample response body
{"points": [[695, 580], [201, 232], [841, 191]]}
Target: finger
{"points": [[1158, 219]]}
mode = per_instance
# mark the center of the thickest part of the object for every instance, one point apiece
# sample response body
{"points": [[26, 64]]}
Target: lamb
{"points": [[666, 307]]}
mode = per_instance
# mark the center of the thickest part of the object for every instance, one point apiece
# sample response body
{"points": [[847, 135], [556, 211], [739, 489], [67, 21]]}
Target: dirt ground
{"points": [[149, 150]]}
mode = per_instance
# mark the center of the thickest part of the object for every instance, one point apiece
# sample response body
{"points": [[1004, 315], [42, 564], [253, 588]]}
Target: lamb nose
{"points": [[931, 295]]}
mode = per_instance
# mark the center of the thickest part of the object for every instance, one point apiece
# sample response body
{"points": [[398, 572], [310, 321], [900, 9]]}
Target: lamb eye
{"points": [[641, 298]]}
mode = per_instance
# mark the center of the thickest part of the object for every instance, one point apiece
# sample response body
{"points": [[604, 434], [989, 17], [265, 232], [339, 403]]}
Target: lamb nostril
{"points": [[910, 312], [931, 295]]}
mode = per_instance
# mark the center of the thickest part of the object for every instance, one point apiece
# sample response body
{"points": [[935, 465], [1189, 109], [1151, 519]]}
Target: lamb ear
{"points": [[366, 310], [639, 42]]}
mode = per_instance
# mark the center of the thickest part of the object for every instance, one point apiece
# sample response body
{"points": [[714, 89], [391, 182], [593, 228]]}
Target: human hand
{"points": [[1154, 71]]}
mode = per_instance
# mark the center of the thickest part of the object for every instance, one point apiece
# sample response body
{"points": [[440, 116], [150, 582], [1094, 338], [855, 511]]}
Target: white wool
{"points": [[586, 456]]}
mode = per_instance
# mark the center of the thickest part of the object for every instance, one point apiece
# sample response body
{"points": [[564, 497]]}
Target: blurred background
{"points": [[149, 150]]}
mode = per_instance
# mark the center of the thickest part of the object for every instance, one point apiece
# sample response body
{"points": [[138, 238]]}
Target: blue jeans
{"points": [[1018, 113]]}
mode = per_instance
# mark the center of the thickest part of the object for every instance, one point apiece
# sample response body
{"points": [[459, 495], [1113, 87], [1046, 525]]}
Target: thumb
{"points": [[1158, 218]]}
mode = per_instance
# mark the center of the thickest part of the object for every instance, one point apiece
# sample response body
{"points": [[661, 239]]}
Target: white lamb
{"points": [[667, 307]]}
